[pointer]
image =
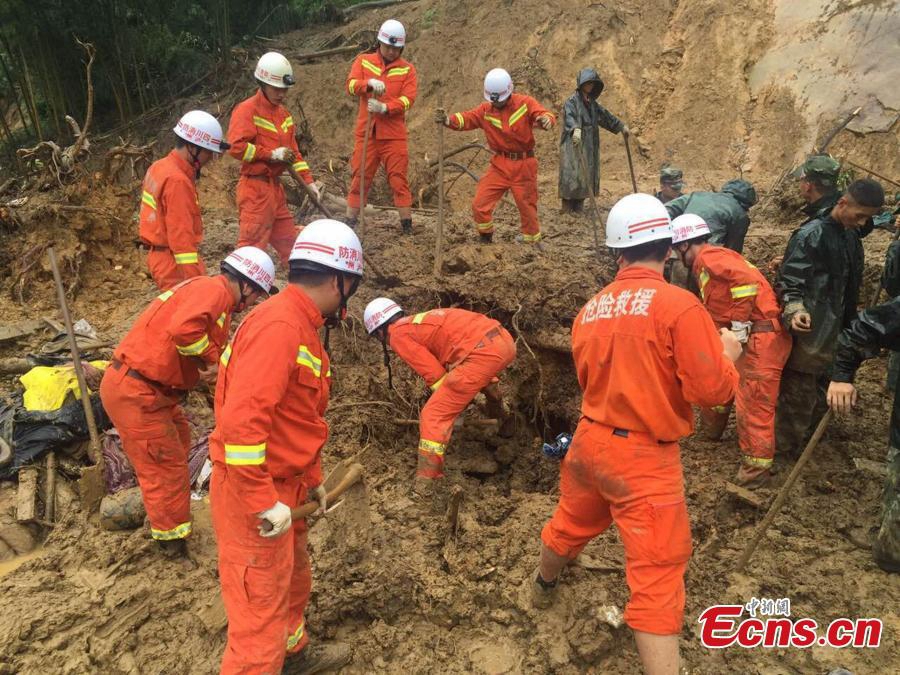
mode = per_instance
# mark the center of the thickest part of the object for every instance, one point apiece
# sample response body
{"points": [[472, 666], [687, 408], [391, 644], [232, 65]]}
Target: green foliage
{"points": [[147, 53]]}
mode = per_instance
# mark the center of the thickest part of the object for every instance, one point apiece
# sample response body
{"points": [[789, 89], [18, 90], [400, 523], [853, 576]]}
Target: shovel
{"points": [[92, 484]]}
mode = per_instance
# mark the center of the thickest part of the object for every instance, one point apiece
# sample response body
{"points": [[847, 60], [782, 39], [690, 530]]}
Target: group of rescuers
{"points": [[645, 350]]}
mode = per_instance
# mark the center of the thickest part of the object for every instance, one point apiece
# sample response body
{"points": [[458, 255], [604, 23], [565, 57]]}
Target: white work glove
{"points": [[376, 106], [741, 330], [377, 86], [283, 154], [280, 518], [625, 130], [576, 136], [319, 495], [314, 188], [545, 121]]}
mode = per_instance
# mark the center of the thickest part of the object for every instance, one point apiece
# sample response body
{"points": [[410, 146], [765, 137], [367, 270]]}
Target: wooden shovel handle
{"points": [[352, 477]]}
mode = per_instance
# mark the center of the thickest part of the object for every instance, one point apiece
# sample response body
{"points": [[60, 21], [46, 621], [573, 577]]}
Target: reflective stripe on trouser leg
{"points": [[525, 193], [489, 191], [431, 459], [757, 395]]}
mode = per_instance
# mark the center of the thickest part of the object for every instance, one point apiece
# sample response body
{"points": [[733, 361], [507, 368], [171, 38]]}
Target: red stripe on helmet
{"points": [[321, 248], [647, 225]]}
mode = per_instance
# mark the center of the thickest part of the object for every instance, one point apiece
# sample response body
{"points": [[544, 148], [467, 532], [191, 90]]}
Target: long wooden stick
{"points": [[630, 165], [76, 359], [595, 216], [309, 192], [439, 241], [877, 175], [354, 474], [362, 177], [785, 491]]}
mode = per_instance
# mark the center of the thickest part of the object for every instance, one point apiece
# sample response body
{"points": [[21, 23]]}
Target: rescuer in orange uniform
{"points": [[261, 133], [507, 120], [738, 297], [266, 450], [170, 225], [386, 86], [644, 352], [458, 352], [173, 344]]}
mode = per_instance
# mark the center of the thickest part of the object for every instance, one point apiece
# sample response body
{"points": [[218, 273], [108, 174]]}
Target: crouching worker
{"points": [[459, 353], [175, 343], [644, 351]]}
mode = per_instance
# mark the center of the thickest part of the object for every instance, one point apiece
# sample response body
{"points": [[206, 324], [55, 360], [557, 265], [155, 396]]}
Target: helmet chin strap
{"points": [[387, 357], [242, 301], [194, 154]]}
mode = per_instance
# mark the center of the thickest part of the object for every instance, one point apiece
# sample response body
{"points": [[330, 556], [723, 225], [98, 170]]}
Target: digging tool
{"points": [[92, 484], [439, 242], [309, 193], [362, 176], [595, 212], [630, 165], [782, 496], [341, 480], [838, 128]]}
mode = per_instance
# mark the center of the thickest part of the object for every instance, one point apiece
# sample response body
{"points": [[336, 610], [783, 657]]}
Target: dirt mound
{"points": [[407, 594]]}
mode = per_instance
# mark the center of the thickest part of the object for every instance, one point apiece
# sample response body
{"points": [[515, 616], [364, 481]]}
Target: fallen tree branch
{"points": [[462, 148], [353, 9], [312, 56]]}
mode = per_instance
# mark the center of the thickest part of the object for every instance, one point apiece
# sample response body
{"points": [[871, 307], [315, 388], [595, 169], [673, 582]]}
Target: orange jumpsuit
{"points": [[256, 129], [387, 137], [513, 167], [458, 353], [271, 396], [644, 351], [152, 370], [170, 222], [734, 290]]}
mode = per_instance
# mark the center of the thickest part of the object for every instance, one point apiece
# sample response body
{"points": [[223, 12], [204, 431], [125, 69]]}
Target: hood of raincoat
{"points": [[742, 191], [586, 75]]}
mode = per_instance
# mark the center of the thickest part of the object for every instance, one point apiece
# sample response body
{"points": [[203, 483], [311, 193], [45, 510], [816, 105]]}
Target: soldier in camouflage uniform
{"points": [[671, 183], [873, 330], [818, 284]]}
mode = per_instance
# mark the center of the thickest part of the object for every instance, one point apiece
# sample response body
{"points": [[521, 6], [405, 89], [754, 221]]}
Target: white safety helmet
{"points": [[378, 312], [392, 33], [637, 219], [254, 265], [688, 226], [328, 244], [201, 129], [273, 68], [498, 85]]}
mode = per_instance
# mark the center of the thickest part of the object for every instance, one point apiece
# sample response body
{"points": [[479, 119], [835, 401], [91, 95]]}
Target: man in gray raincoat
{"points": [[582, 119], [724, 211]]}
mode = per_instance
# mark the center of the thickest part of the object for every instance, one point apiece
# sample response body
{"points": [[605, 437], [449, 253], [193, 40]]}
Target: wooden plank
{"points": [[26, 505], [17, 330], [878, 468], [744, 495]]}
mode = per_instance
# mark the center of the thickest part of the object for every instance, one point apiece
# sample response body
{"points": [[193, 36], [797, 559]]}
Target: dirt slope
{"points": [[408, 597]]}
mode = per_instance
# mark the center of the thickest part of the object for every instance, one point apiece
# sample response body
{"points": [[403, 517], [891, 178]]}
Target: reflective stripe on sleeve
{"points": [[162, 297], [245, 455], [249, 153], [704, 279], [405, 102], [747, 291], [418, 317], [226, 356], [220, 322], [187, 258], [459, 119], [148, 199], [195, 348], [301, 166], [352, 86], [437, 384]]}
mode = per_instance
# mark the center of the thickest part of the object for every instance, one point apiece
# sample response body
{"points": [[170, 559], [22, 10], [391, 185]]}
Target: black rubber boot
{"points": [[485, 238], [406, 225]]}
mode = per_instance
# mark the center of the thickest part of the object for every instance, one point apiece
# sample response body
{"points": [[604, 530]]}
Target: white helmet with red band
{"points": [[637, 219], [201, 129], [254, 265], [378, 311], [274, 69], [328, 243], [498, 85], [688, 226], [392, 33]]}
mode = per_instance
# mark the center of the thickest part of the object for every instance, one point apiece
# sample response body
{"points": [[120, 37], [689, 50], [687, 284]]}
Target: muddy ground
{"points": [[407, 595]]}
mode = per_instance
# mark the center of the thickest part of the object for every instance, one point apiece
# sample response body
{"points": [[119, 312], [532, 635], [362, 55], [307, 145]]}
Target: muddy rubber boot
{"points": [[351, 222], [543, 593], [317, 659], [485, 238], [752, 477], [433, 494], [406, 225], [507, 426], [173, 548]]}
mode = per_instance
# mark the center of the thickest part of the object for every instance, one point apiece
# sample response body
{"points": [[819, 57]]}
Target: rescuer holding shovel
{"points": [[386, 86], [261, 132], [174, 344], [271, 397], [644, 352], [459, 353]]}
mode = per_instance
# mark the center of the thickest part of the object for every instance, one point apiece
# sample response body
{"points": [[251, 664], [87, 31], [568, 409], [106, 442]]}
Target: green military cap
{"points": [[671, 175], [824, 168]]}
